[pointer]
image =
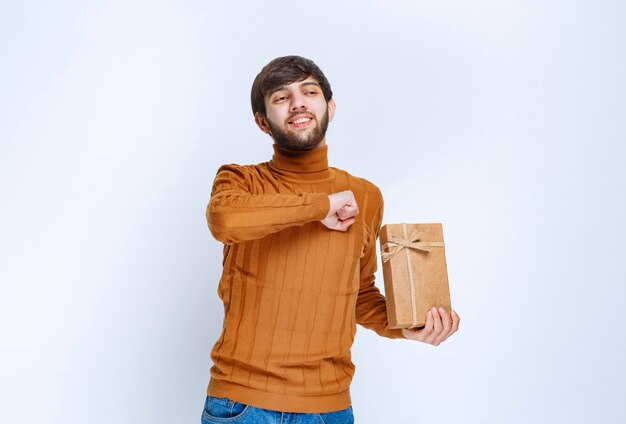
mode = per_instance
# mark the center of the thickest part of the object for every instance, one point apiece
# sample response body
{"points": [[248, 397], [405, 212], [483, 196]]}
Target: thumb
{"points": [[343, 225]]}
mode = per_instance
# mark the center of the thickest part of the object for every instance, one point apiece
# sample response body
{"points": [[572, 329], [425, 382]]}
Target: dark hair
{"points": [[282, 71]]}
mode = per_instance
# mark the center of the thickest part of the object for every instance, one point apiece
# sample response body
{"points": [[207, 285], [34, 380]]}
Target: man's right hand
{"points": [[343, 209]]}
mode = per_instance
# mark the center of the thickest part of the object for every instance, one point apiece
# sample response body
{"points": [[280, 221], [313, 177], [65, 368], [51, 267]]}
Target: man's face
{"points": [[297, 115]]}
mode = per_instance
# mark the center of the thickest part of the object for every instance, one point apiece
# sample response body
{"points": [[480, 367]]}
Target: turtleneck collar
{"points": [[308, 165]]}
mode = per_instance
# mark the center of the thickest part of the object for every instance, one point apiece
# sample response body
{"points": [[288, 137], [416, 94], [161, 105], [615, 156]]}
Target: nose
{"points": [[297, 102]]}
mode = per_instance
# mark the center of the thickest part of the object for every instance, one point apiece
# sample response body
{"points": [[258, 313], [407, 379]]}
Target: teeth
{"points": [[301, 120]]}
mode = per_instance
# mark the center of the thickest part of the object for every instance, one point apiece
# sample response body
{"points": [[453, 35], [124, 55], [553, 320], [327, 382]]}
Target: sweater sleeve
{"points": [[234, 214], [371, 308]]}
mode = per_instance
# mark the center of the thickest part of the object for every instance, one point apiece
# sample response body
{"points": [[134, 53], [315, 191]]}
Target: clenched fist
{"points": [[343, 209]]}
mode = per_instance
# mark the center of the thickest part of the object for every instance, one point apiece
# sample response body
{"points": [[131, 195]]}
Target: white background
{"points": [[504, 120]]}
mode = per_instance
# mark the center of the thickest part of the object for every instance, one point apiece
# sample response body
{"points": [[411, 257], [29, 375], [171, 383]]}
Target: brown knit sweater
{"points": [[293, 290]]}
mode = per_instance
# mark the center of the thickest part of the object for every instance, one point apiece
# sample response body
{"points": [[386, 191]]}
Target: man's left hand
{"points": [[439, 326]]}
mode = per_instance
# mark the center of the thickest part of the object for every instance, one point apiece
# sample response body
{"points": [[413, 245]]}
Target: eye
{"points": [[311, 93], [280, 99]]}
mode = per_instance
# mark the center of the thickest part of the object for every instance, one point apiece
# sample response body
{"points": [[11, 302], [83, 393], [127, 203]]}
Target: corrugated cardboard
{"points": [[414, 271]]}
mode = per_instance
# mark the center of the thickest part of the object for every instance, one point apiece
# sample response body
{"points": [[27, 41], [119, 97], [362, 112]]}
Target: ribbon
{"points": [[396, 244]]}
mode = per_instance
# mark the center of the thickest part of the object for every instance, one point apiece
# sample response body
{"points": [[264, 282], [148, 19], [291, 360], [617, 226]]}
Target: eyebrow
{"points": [[303, 84]]}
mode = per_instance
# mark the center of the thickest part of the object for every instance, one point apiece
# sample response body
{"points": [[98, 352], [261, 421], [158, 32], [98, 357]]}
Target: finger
{"points": [[446, 326], [347, 212], [437, 326], [354, 205], [347, 198], [423, 333], [351, 201], [428, 327], [455, 323], [456, 320]]}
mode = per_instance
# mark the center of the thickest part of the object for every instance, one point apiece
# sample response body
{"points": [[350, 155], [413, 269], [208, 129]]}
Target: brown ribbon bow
{"points": [[396, 244]]}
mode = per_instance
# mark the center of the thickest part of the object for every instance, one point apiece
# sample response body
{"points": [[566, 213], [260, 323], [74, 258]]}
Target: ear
{"points": [[331, 109], [261, 122]]}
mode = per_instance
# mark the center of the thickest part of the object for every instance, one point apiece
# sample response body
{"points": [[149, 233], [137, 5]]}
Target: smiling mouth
{"points": [[301, 121]]}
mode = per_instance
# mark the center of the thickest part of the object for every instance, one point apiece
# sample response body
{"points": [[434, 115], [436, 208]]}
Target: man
{"points": [[299, 261]]}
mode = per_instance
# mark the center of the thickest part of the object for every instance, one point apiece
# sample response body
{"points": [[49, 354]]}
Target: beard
{"points": [[300, 141]]}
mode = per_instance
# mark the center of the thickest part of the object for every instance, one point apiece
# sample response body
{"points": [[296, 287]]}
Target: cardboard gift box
{"points": [[414, 271]]}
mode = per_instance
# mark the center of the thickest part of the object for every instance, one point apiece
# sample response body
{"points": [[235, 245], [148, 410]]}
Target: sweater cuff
{"points": [[321, 206]]}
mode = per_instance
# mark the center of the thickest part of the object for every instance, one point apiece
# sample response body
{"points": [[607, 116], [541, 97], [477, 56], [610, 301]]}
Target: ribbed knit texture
{"points": [[293, 290]]}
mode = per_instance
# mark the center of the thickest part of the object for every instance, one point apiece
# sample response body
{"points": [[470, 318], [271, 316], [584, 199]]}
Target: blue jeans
{"points": [[222, 410]]}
